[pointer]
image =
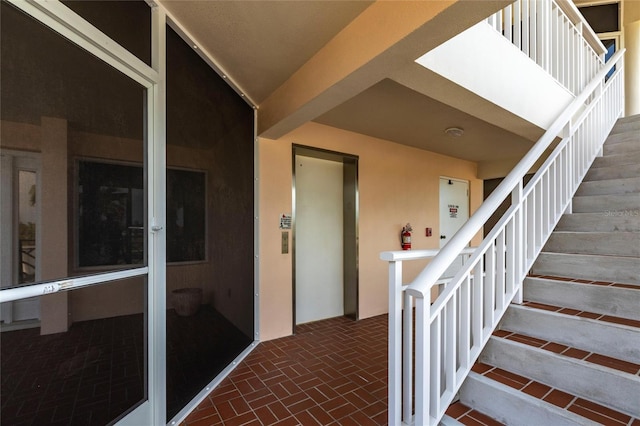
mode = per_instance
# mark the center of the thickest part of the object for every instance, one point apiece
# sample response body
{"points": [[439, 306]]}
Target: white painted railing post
{"points": [[422, 363], [556, 36], [407, 358], [395, 341], [520, 258]]}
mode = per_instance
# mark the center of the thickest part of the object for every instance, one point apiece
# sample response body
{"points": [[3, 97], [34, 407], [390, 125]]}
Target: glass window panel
{"points": [[63, 105], [75, 357], [611, 46], [210, 317], [128, 22], [91, 374], [111, 214], [602, 18]]}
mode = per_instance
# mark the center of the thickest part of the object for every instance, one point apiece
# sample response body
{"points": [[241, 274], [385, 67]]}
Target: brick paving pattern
{"points": [[331, 372]]}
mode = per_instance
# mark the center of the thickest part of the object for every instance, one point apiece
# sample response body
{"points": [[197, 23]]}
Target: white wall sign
{"points": [[285, 221]]}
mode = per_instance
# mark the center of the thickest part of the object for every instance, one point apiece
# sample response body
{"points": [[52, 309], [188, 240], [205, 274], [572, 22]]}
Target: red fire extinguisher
{"points": [[405, 237]]}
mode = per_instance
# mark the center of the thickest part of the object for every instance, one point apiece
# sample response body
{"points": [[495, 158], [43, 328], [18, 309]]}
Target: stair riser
{"points": [[597, 268], [599, 384], [601, 337], [625, 126], [605, 170], [621, 148], [611, 205], [621, 137], [616, 160], [614, 301], [598, 222], [513, 408], [603, 243], [609, 187]]}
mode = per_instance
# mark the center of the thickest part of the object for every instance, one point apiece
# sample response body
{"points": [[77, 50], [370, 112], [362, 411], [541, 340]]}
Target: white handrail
{"points": [[420, 285], [450, 334], [399, 255]]}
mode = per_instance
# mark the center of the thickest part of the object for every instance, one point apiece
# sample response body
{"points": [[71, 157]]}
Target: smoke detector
{"points": [[454, 132]]}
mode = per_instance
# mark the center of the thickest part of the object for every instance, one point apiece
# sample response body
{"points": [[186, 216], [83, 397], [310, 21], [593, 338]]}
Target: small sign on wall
{"points": [[285, 221], [453, 211]]}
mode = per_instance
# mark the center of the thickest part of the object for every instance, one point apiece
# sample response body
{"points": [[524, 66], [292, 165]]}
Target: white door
{"points": [[454, 212], [318, 239], [20, 231]]}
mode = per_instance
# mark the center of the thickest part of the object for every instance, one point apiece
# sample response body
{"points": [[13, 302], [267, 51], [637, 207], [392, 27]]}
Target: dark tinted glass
{"points": [[59, 106], [91, 374], [128, 22], [210, 302], [71, 357], [111, 214], [602, 18]]}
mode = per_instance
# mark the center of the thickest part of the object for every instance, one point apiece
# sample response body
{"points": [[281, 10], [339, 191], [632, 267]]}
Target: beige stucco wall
{"points": [[397, 184], [632, 68], [631, 42], [631, 11]]}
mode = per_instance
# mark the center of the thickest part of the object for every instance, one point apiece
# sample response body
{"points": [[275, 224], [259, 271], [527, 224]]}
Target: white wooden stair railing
{"points": [[450, 333], [554, 35]]}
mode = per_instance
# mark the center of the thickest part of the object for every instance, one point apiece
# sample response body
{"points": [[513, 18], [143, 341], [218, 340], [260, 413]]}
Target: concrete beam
{"points": [[386, 36]]}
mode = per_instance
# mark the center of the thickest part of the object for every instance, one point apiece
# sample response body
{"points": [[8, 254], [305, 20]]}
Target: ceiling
{"points": [[260, 45]]}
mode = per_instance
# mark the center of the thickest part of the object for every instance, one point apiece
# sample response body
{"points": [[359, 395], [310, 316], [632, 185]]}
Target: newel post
{"points": [[395, 341]]}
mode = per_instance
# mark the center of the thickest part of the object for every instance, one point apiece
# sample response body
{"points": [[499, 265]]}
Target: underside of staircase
{"points": [[570, 354]]}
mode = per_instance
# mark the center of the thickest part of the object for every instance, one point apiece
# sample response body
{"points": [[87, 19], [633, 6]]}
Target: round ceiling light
{"points": [[454, 132]]}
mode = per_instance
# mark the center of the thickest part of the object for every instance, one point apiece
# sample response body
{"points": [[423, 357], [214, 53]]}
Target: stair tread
{"points": [[613, 158], [571, 352], [599, 222], [629, 185], [589, 255], [628, 119], [617, 268], [584, 314], [612, 167], [612, 234], [585, 281], [614, 299], [550, 395], [615, 243]]}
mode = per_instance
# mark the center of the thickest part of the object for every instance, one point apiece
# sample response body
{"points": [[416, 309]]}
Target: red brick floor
{"points": [[334, 372], [331, 372]]}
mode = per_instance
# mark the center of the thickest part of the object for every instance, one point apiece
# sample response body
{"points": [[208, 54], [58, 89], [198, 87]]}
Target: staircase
{"points": [[570, 354]]}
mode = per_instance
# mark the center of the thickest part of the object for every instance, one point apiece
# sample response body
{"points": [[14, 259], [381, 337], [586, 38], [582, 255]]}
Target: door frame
{"points": [[350, 237], [70, 26]]}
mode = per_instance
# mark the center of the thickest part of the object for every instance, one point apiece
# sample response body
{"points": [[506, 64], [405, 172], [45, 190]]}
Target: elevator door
{"points": [[319, 239]]}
